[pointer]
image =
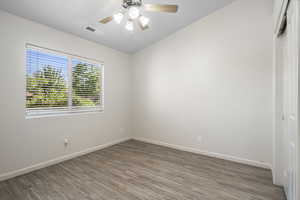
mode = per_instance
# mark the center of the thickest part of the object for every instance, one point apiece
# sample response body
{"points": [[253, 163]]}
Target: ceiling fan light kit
{"points": [[144, 21], [118, 17], [133, 10], [129, 26]]}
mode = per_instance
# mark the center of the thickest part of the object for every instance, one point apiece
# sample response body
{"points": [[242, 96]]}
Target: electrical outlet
{"points": [[66, 142]]}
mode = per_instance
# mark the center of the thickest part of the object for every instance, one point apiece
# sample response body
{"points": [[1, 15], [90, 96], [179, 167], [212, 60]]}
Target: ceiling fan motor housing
{"points": [[129, 3]]}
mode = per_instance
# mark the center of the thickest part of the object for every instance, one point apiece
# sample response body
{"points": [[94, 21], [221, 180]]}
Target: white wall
{"points": [[212, 79], [27, 142]]}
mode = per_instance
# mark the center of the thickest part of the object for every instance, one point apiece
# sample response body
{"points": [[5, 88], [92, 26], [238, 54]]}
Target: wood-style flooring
{"points": [[135, 170]]}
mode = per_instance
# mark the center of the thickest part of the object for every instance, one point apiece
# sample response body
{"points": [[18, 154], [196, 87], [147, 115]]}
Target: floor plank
{"points": [[135, 170]]}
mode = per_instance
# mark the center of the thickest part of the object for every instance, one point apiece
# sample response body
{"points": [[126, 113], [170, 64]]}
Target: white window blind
{"points": [[60, 83], [86, 90]]}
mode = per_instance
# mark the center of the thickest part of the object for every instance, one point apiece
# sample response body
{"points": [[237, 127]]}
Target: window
{"points": [[60, 83]]}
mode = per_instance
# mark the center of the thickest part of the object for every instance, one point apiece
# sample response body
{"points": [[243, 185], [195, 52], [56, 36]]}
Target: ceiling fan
{"points": [[132, 8]]}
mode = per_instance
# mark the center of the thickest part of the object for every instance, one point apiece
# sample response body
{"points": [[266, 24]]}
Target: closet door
{"points": [[292, 100]]}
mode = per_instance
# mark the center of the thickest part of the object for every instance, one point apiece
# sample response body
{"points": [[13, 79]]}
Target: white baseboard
{"points": [[206, 153], [26, 170], [29, 169]]}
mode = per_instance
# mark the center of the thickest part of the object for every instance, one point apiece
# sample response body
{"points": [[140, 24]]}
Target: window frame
{"points": [[70, 109]]}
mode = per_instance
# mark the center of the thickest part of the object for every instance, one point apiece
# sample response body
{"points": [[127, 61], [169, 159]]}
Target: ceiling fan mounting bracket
{"points": [[130, 3]]}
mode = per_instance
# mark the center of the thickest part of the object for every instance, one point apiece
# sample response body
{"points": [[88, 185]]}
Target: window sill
{"points": [[40, 114]]}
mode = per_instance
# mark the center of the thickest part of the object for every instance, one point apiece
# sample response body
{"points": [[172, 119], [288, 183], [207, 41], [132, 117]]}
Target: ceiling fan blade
{"points": [[161, 8], [143, 27], [106, 20]]}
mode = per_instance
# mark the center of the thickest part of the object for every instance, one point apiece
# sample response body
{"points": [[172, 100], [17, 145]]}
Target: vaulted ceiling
{"points": [[73, 16]]}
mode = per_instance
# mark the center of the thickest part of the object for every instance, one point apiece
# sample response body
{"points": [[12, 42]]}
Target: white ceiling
{"points": [[74, 15]]}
